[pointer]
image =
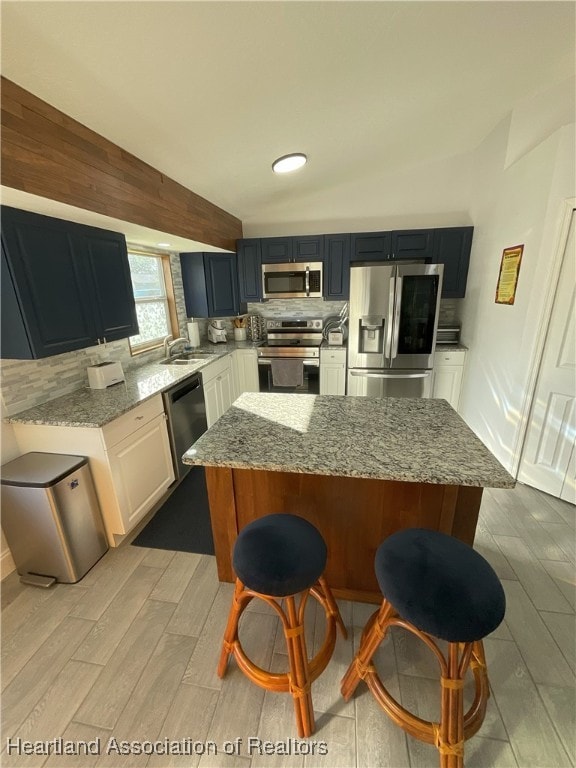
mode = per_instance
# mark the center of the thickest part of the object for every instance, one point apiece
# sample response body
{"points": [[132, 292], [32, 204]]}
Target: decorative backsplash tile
{"points": [[296, 308]]}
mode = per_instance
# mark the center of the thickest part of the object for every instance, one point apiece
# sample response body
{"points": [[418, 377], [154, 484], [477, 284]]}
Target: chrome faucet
{"points": [[169, 345]]}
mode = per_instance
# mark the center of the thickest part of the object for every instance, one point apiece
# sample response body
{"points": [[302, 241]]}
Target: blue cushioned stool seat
{"points": [[279, 555], [440, 584]]}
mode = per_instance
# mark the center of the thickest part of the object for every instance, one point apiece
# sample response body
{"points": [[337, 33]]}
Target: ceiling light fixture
{"points": [[163, 245], [288, 163]]}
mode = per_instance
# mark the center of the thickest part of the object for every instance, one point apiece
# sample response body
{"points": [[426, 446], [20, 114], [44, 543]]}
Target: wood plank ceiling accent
{"points": [[47, 153]]}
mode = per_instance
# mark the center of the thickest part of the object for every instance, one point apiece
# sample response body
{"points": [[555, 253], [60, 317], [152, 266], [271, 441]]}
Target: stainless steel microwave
{"points": [[292, 281]]}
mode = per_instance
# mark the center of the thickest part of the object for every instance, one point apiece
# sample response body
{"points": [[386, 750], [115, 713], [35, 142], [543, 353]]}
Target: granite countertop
{"points": [[413, 440], [96, 407]]}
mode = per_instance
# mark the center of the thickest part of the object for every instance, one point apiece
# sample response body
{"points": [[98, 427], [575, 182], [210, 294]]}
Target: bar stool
{"points": [[434, 586], [279, 558]]}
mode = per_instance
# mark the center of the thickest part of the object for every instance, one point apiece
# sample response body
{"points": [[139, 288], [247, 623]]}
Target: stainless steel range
{"points": [[296, 340]]}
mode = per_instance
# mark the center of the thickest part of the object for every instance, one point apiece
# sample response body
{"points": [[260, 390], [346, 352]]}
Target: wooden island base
{"points": [[354, 515]]}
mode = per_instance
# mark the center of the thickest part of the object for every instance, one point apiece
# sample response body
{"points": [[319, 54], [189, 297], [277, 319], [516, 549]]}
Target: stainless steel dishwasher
{"points": [[186, 411]]}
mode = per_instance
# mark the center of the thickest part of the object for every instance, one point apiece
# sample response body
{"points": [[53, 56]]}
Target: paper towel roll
{"points": [[194, 334]]}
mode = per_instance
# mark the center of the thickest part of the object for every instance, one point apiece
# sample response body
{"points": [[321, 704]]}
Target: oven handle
{"points": [[307, 363], [399, 375]]}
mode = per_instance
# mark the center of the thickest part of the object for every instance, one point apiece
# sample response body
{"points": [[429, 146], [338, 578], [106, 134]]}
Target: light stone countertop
{"points": [[95, 407], [405, 439]]}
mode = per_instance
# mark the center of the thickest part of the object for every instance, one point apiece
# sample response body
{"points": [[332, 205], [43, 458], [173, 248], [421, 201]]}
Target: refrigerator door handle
{"points": [[390, 330], [386, 375], [396, 322]]}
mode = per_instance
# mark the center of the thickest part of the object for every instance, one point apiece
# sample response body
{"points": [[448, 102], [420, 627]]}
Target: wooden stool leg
{"points": [[300, 684], [334, 610], [371, 639], [230, 634], [450, 734]]}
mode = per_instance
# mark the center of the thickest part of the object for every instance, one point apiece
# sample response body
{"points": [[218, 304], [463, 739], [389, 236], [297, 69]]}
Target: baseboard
{"points": [[7, 564]]}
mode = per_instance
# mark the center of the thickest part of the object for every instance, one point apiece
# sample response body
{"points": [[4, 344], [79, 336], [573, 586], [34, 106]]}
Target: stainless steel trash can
{"points": [[51, 517]]}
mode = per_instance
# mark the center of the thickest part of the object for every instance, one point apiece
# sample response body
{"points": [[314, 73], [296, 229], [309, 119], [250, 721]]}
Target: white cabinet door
{"points": [[225, 385], [246, 365], [142, 470], [332, 379], [332, 371], [218, 383], [212, 401], [447, 383]]}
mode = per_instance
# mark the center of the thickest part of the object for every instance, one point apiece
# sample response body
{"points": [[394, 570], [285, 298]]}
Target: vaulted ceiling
{"points": [[210, 93]]}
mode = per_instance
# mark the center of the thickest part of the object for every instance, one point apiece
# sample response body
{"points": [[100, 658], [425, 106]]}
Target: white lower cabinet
{"points": [[447, 376], [129, 459], [332, 371], [218, 387], [245, 363]]}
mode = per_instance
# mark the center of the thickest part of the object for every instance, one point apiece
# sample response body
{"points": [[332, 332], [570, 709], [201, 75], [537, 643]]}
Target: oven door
{"points": [[310, 385]]}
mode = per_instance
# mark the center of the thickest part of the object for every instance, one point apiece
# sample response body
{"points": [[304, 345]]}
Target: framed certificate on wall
{"points": [[508, 276]]}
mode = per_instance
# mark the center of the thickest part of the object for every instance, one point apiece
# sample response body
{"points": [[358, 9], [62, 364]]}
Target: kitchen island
{"points": [[358, 468]]}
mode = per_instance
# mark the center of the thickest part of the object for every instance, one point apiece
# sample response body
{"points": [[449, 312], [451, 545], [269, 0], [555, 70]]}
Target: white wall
{"points": [[432, 194], [513, 202]]}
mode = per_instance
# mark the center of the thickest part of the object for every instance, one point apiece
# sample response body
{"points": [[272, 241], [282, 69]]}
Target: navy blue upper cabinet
{"points": [[308, 248], [412, 244], [452, 248], [249, 269], [336, 267], [112, 293], [276, 249], [281, 250], [370, 246], [55, 296], [210, 284]]}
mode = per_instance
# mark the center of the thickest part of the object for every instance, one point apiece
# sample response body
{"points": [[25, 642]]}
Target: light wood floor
{"points": [[130, 653]]}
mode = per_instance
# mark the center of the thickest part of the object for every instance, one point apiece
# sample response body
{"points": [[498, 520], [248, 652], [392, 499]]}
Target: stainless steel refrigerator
{"points": [[393, 319]]}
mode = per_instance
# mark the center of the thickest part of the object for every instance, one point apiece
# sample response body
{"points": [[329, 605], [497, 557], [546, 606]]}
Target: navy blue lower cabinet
{"points": [[210, 284], [452, 247], [336, 267], [249, 270]]}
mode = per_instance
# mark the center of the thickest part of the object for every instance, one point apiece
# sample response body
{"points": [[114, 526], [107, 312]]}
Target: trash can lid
{"points": [[39, 470]]}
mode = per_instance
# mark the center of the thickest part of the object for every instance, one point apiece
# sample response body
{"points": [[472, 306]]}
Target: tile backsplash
{"points": [[26, 383]]}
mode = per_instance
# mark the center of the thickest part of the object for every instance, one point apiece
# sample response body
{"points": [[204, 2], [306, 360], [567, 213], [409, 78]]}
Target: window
{"points": [[152, 286]]}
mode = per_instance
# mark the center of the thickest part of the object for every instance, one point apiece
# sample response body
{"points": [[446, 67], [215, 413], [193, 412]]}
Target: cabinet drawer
{"points": [[333, 356], [129, 422], [216, 368], [449, 356]]}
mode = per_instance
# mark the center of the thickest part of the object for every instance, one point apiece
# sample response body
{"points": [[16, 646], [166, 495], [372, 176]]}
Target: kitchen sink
{"points": [[187, 359]]}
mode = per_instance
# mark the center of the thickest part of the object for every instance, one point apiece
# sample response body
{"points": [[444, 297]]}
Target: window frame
{"points": [[168, 298]]}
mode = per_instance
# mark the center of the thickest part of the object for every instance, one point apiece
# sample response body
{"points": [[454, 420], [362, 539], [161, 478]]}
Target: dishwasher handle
{"points": [[185, 389]]}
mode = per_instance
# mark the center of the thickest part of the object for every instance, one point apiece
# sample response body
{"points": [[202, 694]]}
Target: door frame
{"points": [[545, 316]]}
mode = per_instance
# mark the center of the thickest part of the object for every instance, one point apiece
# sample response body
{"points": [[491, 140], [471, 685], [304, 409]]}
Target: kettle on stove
{"points": [[216, 331]]}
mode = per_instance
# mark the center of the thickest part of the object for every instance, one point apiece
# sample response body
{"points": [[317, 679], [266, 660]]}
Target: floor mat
{"points": [[183, 521]]}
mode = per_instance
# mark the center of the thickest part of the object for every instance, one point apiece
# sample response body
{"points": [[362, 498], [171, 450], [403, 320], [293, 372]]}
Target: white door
{"points": [[548, 457]]}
